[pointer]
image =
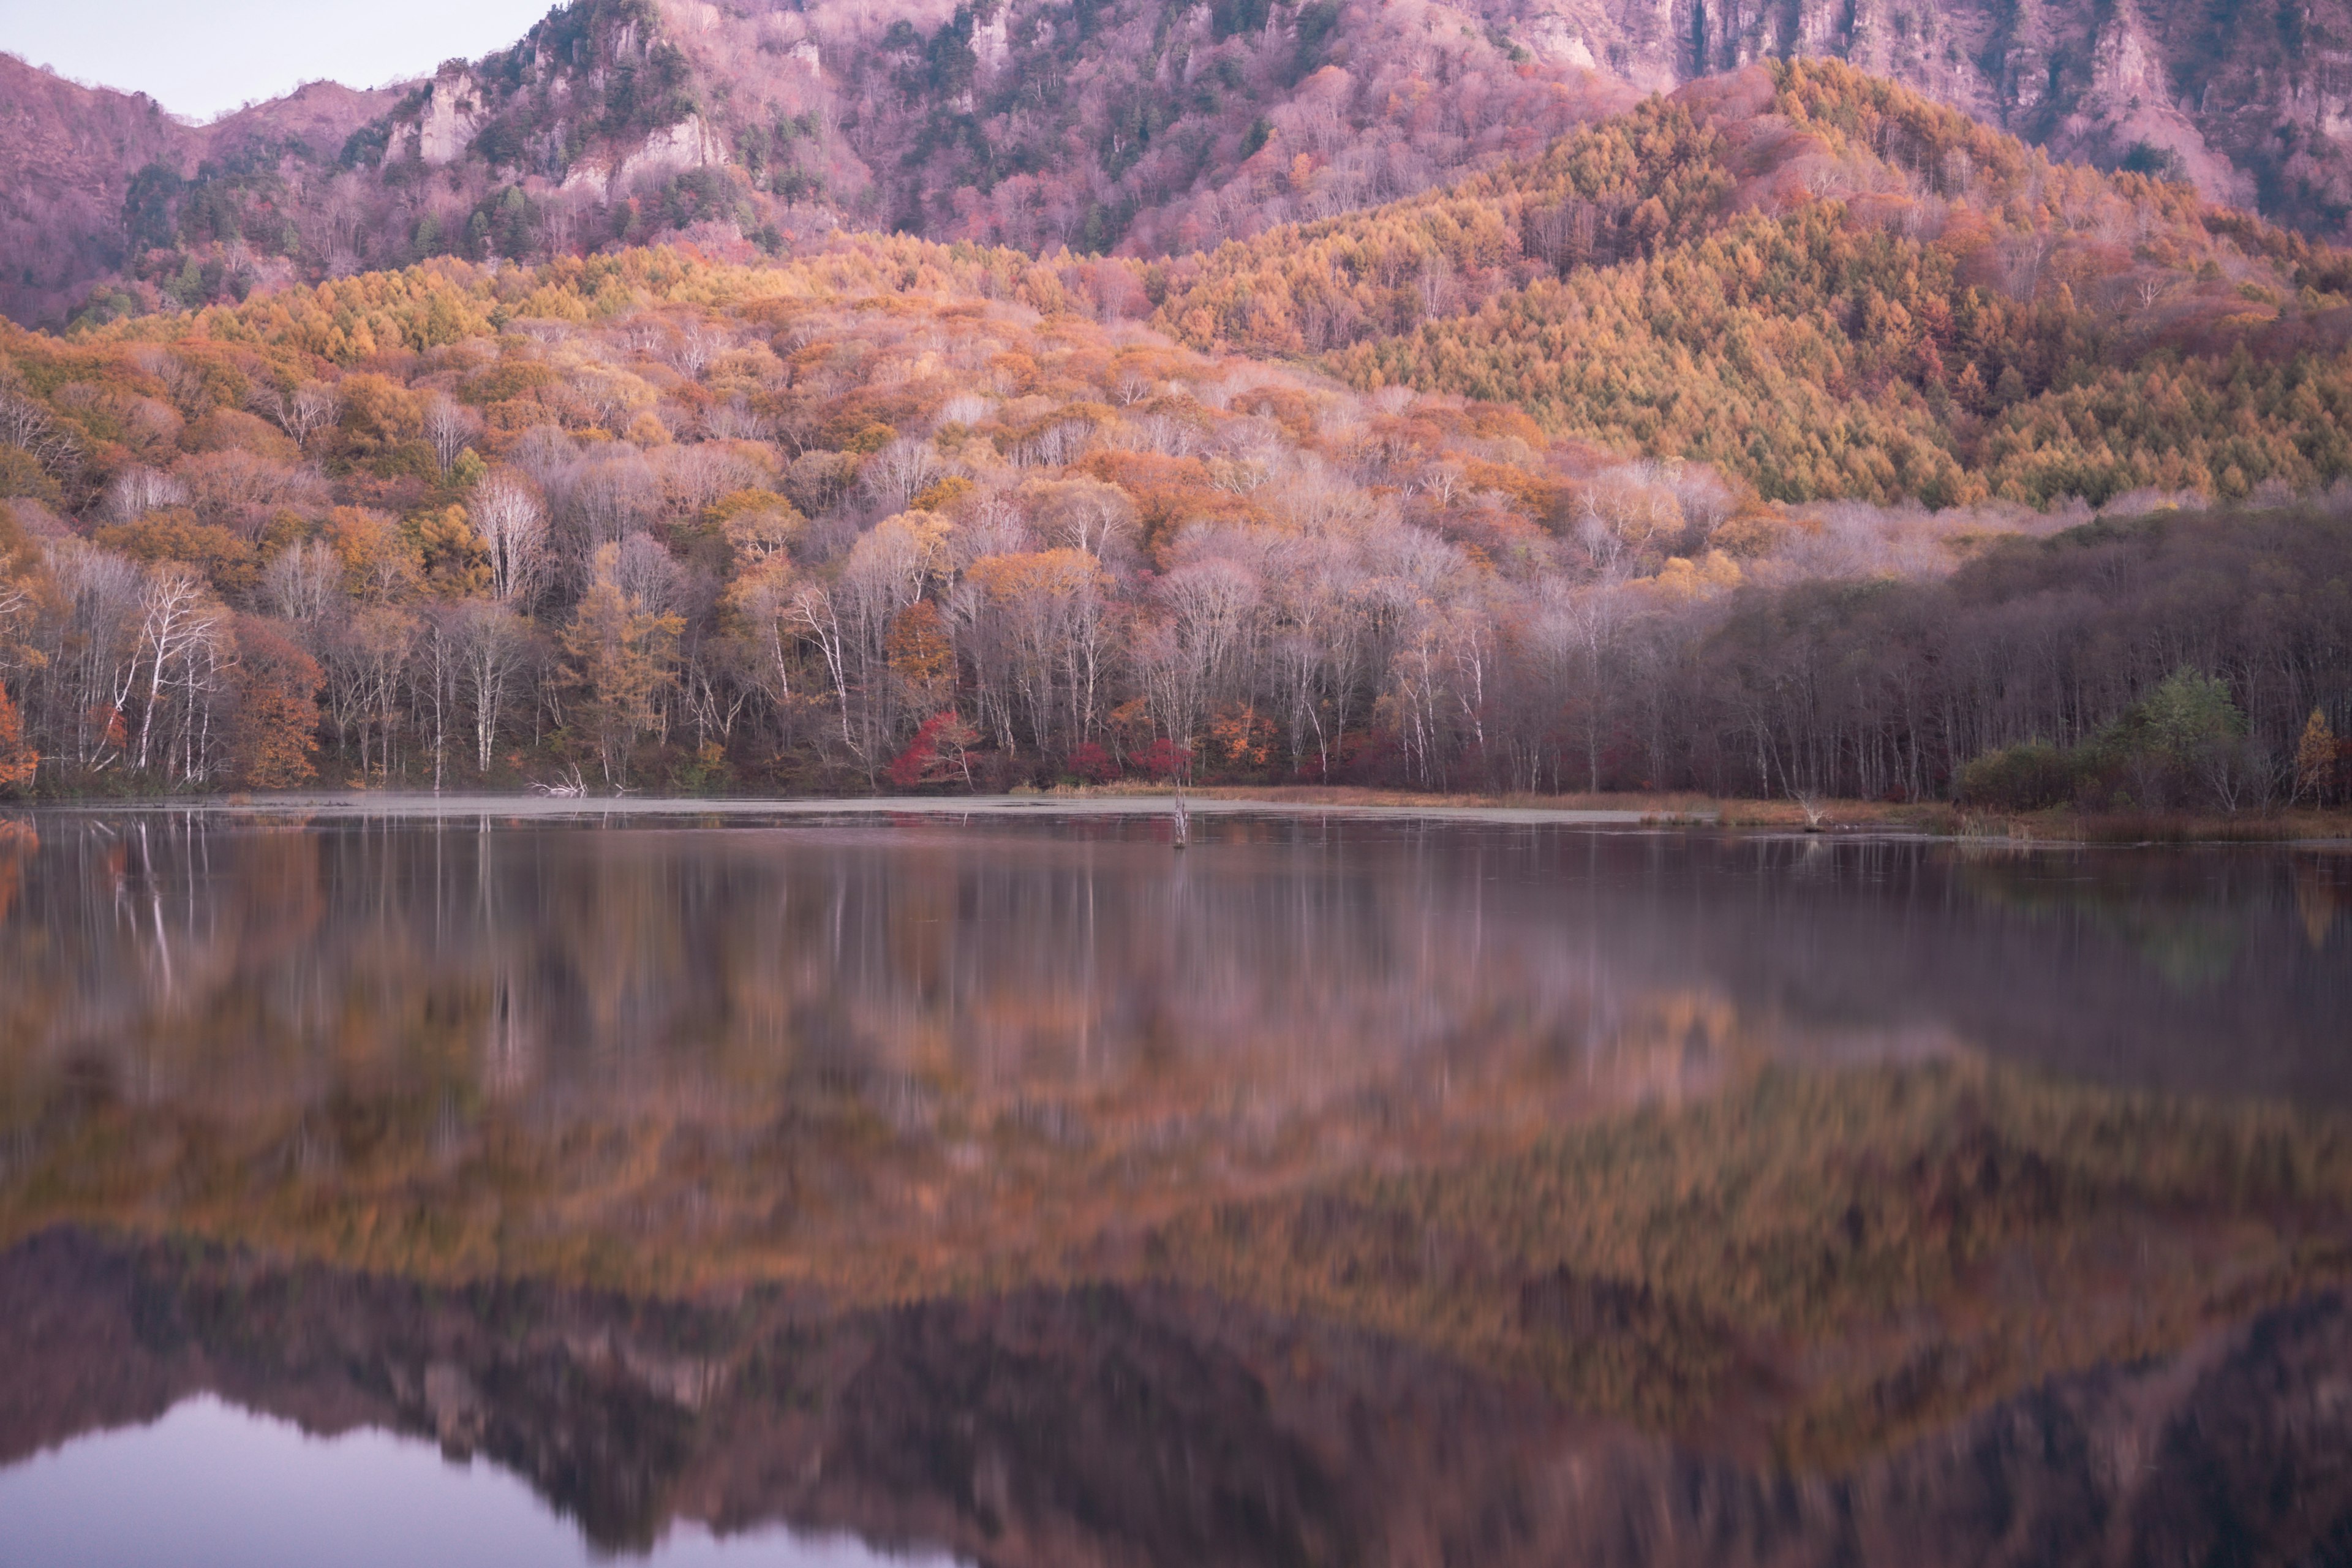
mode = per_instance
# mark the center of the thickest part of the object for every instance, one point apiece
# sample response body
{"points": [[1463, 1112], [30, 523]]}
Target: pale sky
{"points": [[200, 58]]}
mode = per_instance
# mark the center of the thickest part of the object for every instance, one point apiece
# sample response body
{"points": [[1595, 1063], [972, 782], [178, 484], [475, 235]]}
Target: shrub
{"points": [[2032, 775]]}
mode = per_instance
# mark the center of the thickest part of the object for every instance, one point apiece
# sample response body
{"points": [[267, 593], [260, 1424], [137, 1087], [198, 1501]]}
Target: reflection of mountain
{"points": [[1814, 1263], [1297, 1150], [1154, 1428]]}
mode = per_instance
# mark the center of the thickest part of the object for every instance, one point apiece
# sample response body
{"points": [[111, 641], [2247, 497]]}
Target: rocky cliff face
{"points": [[1144, 126], [2250, 103]]}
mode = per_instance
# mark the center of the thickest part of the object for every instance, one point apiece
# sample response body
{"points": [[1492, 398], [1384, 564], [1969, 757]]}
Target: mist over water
{"points": [[856, 1174]]}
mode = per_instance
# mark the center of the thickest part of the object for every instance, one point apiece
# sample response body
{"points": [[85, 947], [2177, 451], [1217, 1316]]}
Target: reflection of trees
{"points": [[495, 1042], [1049, 1081], [903, 1043], [2189, 931], [965, 967], [2177, 969], [2318, 897]]}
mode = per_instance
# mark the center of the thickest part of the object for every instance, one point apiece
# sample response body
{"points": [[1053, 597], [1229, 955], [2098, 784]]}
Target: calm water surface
{"points": [[800, 1190]]}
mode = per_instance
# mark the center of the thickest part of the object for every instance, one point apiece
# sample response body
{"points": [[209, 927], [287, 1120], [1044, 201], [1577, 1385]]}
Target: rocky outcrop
{"points": [[1147, 127], [451, 113], [691, 143], [2250, 103], [1151, 1426]]}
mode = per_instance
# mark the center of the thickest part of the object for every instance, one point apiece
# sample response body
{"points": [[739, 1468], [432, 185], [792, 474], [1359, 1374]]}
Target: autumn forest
{"points": [[1787, 435]]}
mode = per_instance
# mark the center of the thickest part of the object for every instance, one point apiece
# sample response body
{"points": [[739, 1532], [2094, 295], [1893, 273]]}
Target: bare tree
{"points": [[304, 413], [900, 471], [696, 345], [449, 425], [304, 584], [91, 649], [25, 425], [137, 492], [810, 610], [1083, 514], [601, 499], [493, 651], [506, 512], [1200, 648], [180, 620]]}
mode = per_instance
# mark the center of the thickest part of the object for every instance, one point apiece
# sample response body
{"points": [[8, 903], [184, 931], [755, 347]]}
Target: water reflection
{"points": [[1102, 1426], [1024, 1187], [1294, 960]]}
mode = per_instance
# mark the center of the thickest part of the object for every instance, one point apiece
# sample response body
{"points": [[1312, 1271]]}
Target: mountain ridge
{"points": [[1133, 126]]}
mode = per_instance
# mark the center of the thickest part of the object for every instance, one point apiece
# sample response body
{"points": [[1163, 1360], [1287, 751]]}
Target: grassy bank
{"points": [[1939, 818]]}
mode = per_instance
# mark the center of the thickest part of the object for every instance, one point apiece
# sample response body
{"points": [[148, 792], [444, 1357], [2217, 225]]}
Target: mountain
{"points": [[2248, 102], [71, 157], [1137, 126], [1129, 125]]}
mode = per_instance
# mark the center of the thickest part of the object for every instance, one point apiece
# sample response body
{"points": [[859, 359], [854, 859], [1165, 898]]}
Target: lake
{"points": [[524, 1182]]}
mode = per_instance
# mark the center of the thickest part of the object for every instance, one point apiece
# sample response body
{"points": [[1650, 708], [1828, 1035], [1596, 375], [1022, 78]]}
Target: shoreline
{"points": [[424, 806], [1840, 819]]}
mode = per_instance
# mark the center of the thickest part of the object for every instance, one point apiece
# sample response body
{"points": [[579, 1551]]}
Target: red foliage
{"points": [[1093, 763], [1162, 760], [939, 753], [276, 728]]}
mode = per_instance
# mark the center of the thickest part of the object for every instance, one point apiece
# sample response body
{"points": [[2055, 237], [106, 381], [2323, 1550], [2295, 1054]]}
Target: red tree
{"points": [[939, 753]]}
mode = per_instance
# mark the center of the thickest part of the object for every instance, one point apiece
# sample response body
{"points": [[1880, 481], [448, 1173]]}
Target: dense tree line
{"points": [[2166, 661]]}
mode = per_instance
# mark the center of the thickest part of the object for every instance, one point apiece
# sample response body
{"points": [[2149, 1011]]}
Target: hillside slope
{"points": [[896, 513], [70, 156], [2250, 103], [1831, 287]]}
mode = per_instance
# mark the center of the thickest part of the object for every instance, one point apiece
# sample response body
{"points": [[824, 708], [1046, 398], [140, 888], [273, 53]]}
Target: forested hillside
{"points": [[1831, 288], [898, 515], [92, 181]]}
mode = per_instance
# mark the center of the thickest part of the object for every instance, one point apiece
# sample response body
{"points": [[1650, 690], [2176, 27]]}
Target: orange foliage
{"points": [[18, 761], [276, 714]]}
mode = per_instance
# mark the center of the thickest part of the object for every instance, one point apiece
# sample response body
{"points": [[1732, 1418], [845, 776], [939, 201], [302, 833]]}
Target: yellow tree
{"points": [[623, 658], [2314, 759]]}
